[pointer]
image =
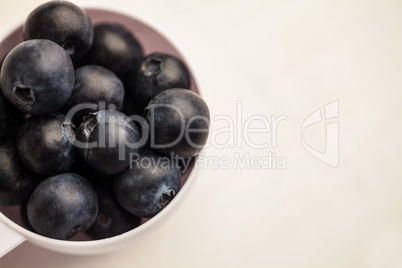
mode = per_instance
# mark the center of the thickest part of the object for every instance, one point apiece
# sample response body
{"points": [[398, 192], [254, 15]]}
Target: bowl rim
{"points": [[105, 241], [158, 28]]}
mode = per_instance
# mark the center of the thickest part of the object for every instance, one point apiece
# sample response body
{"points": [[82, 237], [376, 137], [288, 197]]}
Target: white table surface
{"points": [[277, 58]]}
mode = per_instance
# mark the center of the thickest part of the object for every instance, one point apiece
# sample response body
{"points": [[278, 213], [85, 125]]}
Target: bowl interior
{"points": [[151, 41]]}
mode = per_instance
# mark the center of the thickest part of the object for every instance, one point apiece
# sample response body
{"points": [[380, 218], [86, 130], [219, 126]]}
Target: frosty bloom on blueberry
{"points": [[37, 77], [64, 23], [179, 122]]}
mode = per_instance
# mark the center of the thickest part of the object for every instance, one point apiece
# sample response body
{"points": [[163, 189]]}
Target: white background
{"points": [[278, 58]]}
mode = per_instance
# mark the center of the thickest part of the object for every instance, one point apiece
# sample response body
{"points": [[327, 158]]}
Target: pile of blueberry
{"points": [[91, 129]]}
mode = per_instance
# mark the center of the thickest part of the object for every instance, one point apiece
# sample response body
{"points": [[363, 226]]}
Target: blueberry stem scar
{"points": [[23, 95], [152, 66]]}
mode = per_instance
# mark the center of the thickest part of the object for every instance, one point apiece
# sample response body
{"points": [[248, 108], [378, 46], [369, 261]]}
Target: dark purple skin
{"points": [[16, 182], [10, 117], [37, 77], [95, 84], [62, 206], [115, 48], [156, 73], [63, 23], [114, 133], [112, 219], [168, 125], [44, 144], [24, 217], [145, 190]]}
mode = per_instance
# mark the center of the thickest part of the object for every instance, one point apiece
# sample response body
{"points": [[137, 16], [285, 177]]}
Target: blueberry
{"points": [[148, 187], [44, 144], [64, 23], [24, 217], [108, 138], [112, 219], [115, 48], [156, 73], [179, 122], [62, 206], [37, 77], [95, 84], [16, 182], [10, 117]]}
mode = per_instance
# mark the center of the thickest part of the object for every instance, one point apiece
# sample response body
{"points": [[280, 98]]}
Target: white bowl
{"points": [[12, 230]]}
